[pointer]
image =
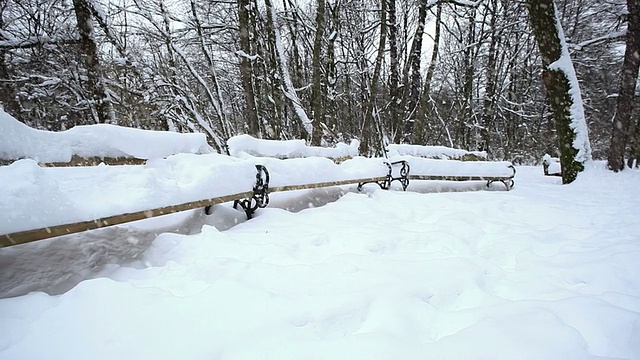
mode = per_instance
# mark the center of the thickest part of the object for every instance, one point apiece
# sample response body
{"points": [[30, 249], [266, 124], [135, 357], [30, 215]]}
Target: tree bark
{"points": [[626, 92], [96, 88], [367, 121], [425, 97], [414, 81], [317, 95], [215, 96], [394, 96], [246, 69], [306, 126], [488, 108], [562, 88]]}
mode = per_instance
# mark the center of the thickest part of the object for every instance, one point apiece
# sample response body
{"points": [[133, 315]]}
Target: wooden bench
{"points": [[249, 188], [456, 170], [551, 166], [245, 145]]}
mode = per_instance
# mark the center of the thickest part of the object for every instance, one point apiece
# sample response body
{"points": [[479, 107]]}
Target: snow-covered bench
{"points": [[295, 174], [92, 144], [242, 145], [455, 170], [114, 195], [551, 166], [435, 152]]}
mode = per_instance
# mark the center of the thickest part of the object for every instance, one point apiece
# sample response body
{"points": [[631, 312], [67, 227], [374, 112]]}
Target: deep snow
{"points": [[544, 271]]}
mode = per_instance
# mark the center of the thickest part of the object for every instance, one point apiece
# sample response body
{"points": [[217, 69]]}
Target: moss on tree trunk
{"points": [[546, 28]]}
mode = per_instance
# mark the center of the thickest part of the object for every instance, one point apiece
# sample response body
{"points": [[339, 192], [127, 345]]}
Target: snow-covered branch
{"points": [[609, 37], [37, 41]]}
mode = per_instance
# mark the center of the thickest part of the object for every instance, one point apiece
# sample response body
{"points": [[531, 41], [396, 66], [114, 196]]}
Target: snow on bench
{"points": [[455, 170], [551, 166], [315, 172], [435, 152], [287, 149], [93, 144], [49, 202]]}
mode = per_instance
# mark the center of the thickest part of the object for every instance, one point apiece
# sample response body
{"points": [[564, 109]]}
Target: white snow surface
{"points": [[18, 141], [432, 152], [544, 271], [242, 145]]}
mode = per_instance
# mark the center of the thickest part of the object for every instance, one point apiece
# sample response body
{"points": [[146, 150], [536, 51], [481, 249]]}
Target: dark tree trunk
{"points": [[634, 154], [414, 82], [394, 96], [95, 85], [488, 108], [626, 92], [367, 122], [546, 29], [317, 95], [246, 69], [425, 97]]}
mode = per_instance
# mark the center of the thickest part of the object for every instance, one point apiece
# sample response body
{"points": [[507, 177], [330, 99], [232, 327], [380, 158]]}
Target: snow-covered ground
{"points": [[544, 271]]}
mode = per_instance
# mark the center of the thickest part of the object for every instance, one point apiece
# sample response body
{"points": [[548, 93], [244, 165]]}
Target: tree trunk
{"points": [[628, 79], [634, 154], [559, 79], [246, 69], [467, 114], [306, 126], [414, 82], [394, 96], [425, 97], [96, 88], [488, 108], [317, 95], [367, 122], [215, 96]]}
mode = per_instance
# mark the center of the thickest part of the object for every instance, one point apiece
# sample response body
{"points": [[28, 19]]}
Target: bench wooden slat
{"points": [[325, 184], [459, 178]]}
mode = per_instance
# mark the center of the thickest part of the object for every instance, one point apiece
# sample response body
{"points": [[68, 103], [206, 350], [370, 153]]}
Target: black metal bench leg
{"points": [[260, 197]]}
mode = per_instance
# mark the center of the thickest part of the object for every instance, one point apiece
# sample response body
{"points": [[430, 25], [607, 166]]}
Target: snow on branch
{"points": [[611, 36], [466, 3], [243, 54], [36, 41]]}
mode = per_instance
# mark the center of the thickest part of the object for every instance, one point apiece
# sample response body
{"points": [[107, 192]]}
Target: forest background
{"points": [[464, 74]]}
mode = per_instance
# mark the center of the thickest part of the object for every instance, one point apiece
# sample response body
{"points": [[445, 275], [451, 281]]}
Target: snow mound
{"points": [[18, 141]]}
